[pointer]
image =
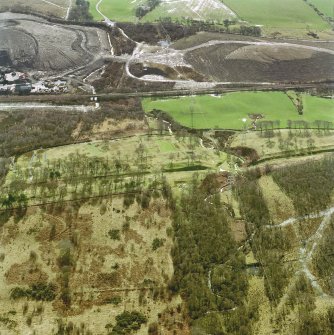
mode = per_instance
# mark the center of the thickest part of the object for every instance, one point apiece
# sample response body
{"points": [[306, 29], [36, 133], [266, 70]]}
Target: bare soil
{"points": [[237, 63], [63, 47]]}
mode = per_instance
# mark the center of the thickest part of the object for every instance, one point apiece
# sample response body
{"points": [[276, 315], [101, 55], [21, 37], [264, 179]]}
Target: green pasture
{"points": [[228, 111], [316, 108], [325, 6], [93, 11], [115, 10], [294, 14], [166, 146]]}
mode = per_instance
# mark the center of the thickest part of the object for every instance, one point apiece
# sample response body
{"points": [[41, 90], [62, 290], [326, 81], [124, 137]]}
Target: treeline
{"points": [[266, 125], [213, 26], [268, 245], [142, 10], [209, 270], [80, 12], [309, 185], [21, 132]]}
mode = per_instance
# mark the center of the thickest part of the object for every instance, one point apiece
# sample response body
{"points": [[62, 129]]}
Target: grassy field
{"points": [[210, 10], [93, 11], [115, 10], [278, 14], [228, 111], [316, 108], [124, 10], [325, 6], [143, 156]]}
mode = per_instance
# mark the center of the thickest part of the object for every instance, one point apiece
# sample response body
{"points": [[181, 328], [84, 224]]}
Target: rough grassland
{"points": [[284, 143], [279, 204], [325, 6], [54, 7], [163, 153], [105, 268], [272, 13]]}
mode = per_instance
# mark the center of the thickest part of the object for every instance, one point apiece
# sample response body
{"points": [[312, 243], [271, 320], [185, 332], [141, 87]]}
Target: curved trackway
{"points": [[111, 23], [97, 7]]}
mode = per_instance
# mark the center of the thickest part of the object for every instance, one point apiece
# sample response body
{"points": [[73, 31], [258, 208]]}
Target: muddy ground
{"points": [[27, 46]]}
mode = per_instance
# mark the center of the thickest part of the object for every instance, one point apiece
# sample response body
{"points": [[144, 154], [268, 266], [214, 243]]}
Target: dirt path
{"points": [[172, 57], [307, 250], [33, 106], [68, 10], [290, 221], [106, 19]]}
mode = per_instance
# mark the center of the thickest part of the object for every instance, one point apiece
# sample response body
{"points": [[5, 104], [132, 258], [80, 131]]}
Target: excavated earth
{"points": [[32, 43], [276, 61]]}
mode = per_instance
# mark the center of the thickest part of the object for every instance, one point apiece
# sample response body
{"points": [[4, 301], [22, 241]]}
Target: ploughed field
{"points": [[57, 8], [27, 46], [250, 61]]}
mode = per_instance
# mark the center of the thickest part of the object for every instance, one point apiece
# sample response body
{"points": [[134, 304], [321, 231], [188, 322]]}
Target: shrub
{"points": [[114, 234], [128, 322], [38, 292], [157, 243]]}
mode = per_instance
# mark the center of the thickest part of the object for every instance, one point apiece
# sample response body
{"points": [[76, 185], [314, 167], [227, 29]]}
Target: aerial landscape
{"points": [[166, 167]]}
